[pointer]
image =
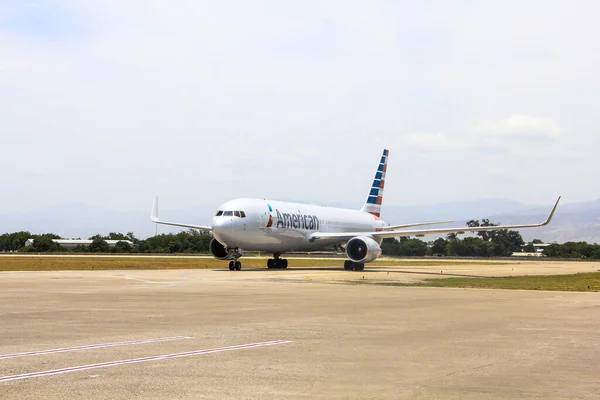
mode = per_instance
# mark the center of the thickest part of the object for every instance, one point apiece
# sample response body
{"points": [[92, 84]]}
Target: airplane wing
{"points": [[154, 218], [394, 227], [420, 232]]}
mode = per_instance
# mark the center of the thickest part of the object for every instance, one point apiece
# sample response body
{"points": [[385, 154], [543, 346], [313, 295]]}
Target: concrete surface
{"points": [[347, 341]]}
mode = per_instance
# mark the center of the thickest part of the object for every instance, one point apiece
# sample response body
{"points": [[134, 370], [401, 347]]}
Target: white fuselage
{"points": [[278, 226]]}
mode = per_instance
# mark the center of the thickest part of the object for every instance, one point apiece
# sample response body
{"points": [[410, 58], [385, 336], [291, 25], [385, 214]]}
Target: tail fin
{"points": [[373, 203]]}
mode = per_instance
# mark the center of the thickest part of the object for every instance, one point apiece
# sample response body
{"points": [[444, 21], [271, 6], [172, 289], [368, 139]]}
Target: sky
{"points": [[109, 103]]}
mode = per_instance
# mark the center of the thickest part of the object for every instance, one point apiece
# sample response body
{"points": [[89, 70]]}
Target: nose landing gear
{"points": [[276, 262], [235, 265]]}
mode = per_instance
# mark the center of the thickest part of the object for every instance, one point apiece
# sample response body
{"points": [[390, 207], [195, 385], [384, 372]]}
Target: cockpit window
{"points": [[236, 213], [227, 213], [219, 213], [242, 214]]}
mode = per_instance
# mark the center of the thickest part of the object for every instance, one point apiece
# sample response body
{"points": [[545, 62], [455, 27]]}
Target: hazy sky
{"points": [[110, 102]]}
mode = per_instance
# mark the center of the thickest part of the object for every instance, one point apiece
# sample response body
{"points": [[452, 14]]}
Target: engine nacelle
{"points": [[221, 252], [362, 249]]}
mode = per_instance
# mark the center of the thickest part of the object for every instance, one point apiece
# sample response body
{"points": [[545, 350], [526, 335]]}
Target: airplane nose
{"points": [[220, 224], [223, 227]]}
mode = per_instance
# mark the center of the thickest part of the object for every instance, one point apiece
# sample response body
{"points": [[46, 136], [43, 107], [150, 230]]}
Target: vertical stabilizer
{"points": [[373, 203]]}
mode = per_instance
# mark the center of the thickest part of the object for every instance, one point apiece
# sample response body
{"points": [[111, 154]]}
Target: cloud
{"points": [[523, 131], [434, 141], [207, 101], [519, 125]]}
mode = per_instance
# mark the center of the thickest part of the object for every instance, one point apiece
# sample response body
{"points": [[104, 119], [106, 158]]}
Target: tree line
{"points": [[493, 243], [190, 241]]}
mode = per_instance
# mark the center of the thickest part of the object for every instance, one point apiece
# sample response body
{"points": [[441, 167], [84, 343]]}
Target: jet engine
{"points": [[362, 249], [221, 252]]}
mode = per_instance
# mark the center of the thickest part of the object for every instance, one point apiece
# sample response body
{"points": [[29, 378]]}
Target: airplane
{"points": [[279, 227]]}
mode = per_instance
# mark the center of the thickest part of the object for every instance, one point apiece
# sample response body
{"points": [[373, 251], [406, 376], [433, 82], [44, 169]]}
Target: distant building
{"points": [[539, 247], [73, 243]]}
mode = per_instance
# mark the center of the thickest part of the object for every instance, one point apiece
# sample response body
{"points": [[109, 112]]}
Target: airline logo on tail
{"points": [[373, 203]]}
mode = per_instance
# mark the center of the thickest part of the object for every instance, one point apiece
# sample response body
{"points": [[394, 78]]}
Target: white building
{"points": [[73, 243]]}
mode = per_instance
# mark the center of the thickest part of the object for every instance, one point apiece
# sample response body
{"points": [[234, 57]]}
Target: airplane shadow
{"points": [[365, 271]]}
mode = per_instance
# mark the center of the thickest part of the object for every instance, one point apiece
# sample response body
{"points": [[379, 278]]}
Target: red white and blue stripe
{"points": [[373, 203]]}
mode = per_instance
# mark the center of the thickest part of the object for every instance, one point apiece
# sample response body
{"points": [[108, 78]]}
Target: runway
{"points": [[189, 334]]}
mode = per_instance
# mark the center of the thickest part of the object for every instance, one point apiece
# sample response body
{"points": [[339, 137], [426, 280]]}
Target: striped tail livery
{"points": [[373, 203]]}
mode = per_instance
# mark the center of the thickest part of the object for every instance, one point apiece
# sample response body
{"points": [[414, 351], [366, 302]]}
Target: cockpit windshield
{"points": [[231, 213]]}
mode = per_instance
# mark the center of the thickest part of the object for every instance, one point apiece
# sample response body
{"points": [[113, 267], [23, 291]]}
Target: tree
{"points": [[439, 246], [485, 235], [190, 241], [413, 248], [505, 242], [81, 249], [553, 250], [122, 247], [130, 236], [116, 236], [99, 245], [44, 243], [529, 248], [451, 236], [390, 247], [455, 247], [14, 241]]}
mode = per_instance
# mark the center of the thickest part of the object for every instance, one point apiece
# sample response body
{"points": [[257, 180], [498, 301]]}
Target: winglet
{"points": [[551, 213], [154, 218], [154, 215]]}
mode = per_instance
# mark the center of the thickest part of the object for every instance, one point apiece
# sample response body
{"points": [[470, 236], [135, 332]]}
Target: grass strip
{"points": [[581, 282]]}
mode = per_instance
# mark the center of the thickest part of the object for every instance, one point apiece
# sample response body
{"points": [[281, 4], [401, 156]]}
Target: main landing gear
{"points": [[277, 262], [235, 265], [353, 266]]}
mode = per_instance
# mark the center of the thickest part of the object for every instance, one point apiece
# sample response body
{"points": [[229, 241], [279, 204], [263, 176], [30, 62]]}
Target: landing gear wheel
{"points": [[237, 265], [353, 266], [277, 263], [231, 266]]}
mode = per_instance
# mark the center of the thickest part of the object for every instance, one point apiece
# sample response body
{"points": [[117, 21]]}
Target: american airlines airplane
{"points": [[280, 227]]}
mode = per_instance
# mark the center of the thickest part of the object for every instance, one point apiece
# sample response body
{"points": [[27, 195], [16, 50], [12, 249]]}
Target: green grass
{"points": [[583, 282]]}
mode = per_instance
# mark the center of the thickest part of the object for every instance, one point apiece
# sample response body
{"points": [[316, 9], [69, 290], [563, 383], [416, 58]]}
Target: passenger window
{"points": [[242, 214], [219, 213], [227, 213], [236, 213]]}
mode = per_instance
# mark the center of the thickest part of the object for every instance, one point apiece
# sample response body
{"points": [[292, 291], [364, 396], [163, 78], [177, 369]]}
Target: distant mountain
{"points": [[460, 210], [574, 221]]}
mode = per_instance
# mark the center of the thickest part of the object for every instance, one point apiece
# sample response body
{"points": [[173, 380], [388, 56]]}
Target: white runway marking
{"points": [[140, 360], [131, 278], [92, 346]]}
